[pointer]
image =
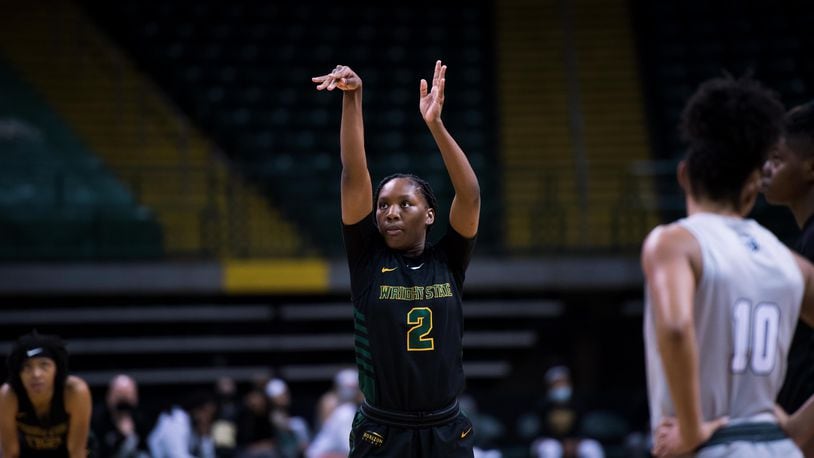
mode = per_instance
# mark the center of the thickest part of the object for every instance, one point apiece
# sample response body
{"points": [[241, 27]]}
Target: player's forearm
{"points": [[78, 445], [78, 451], [352, 135], [9, 447], [10, 450], [460, 171], [680, 355]]}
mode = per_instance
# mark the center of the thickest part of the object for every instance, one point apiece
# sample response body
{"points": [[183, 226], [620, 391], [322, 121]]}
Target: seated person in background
{"points": [[345, 381], [332, 440], [224, 428], [185, 431], [292, 432], [255, 432], [559, 417], [488, 430], [119, 426]]}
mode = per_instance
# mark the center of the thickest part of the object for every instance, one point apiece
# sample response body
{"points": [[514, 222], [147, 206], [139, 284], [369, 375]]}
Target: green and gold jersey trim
{"points": [[364, 359]]}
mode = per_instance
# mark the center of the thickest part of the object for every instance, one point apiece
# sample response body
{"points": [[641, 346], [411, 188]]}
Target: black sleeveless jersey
{"points": [[42, 438], [408, 318], [799, 383]]}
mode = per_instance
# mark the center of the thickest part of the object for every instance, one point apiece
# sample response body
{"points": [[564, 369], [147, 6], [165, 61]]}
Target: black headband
{"points": [[37, 352], [35, 345]]}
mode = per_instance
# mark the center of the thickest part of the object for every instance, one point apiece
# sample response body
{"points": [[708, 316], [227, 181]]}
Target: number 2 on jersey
{"points": [[755, 332], [418, 335]]}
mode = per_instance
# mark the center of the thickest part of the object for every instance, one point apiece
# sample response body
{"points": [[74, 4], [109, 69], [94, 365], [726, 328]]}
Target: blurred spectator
{"points": [[226, 397], [255, 432], [333, 439], [224, 429], [292, 432], [330, 399], [479, 453], [119, 424], [486, 428], [638, 444], [559, 417], [345, 380], [185, 431]]}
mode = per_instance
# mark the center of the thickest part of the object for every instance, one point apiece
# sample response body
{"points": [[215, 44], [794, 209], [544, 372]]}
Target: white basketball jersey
{"points": [[746, 308]]}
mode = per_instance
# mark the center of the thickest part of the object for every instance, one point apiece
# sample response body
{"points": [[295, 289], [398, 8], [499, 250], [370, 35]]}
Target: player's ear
{"points": [[683, 177], [430, 216]]}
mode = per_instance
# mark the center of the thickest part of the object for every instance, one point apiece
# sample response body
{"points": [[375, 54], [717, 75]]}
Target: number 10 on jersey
{"points": [[755, 336]]}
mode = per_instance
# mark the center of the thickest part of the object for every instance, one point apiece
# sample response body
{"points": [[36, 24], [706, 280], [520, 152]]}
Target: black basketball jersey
{"points": [[408, 318], [42, 438], [799, 383]]}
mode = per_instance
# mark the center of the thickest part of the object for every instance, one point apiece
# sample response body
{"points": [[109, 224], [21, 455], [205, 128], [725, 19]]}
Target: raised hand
{"points": [[342, 77], [432, 102]]}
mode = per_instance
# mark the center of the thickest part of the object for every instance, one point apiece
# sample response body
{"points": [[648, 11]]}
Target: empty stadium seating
{"points": [[682, 44], [57, 200], [205, 209], [570, 127], [242, 71]]}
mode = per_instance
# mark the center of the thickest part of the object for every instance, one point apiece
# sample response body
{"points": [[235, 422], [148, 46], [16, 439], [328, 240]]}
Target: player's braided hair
{"points": [[423, 186], [729, 125], [799, 126]]}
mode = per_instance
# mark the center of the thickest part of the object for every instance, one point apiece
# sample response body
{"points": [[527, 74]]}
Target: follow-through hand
{"points": [[342, 77]]}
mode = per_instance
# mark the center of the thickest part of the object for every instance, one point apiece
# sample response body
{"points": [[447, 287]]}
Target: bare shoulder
{"points": [[669, 244], [6, 392], [668, 239], [76, 388], [77, 397], [8, 399], [803, 263], [806, 269]]}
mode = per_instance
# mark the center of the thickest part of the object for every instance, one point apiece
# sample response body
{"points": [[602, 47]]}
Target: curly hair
{"points": [[799, 129], [729, 125], [423, 186]]}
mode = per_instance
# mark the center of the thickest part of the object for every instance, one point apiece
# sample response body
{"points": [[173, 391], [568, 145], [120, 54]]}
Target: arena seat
{"points": [[682, 44], [58, 201], [242, 71]]}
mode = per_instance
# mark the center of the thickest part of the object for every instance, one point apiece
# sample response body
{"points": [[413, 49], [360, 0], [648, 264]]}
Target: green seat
{"points": [[57, 200]]}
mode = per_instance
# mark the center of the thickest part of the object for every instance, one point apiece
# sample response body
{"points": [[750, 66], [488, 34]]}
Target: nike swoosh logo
{"points": [[388, 269], [466, 433], [418, 266]]}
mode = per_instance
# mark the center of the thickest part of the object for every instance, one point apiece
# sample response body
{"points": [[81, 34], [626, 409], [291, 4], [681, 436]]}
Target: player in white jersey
{"points": [[723, 294]]}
